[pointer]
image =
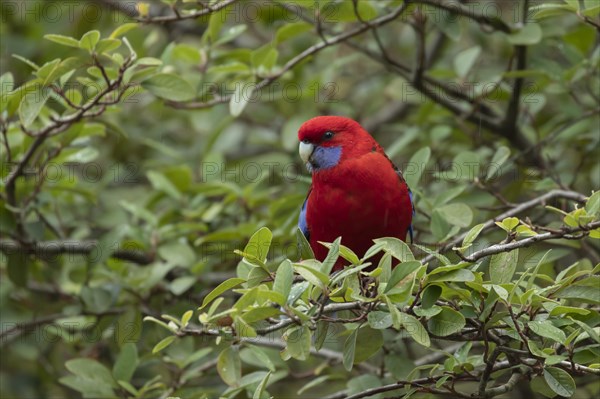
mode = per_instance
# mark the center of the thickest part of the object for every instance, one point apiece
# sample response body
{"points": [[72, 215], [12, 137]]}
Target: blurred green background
{"points": [[182, 188]]}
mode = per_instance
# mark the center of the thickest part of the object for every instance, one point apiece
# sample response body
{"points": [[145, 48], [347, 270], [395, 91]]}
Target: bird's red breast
{"points": [[357, 193]]}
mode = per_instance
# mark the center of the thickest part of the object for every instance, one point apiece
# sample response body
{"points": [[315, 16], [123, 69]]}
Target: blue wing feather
{"points": [[410, 195], [302, 220]]}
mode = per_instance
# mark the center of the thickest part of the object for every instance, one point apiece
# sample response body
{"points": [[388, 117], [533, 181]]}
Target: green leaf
{"points": [[350, 350], [394, 312], [221, 288], [312, 275], [503, 266], [458, 214], [231, 34], [586, 290], [107, 45], [559, 310], [163, 344], [247, 299], [284, 277], [121, 30], [316, 382], [186, 317], [290, 30], [534, 274], [32, 104], [96, 299], [126, 363], [240, 98], [89, 40], [259, 355], [90, 378], [454, 275], [257, 275], [559, 381], [259, 244], [400, 272], [542, 11], [161, 183], [186, 53], [32, 64], [379, 320], [229, 366], [443, 259], [415, 329], [243, 328], [90, 369], [535, 349], [368, 342], [298, 340], [430, 296], [472, 235], [527, 35], [345, 11], [306, 251], [510, 223], [439, 226], [396, 247], [7, 83], [465, 60], [540, 386], [332, 256], [258, 393], [260, 313], [591, 333], [169, 86], [547, 330], [447, 322], [416, 166], [215, 23], [231, 67], [429, 312], [499, 158], [64, 40], [178, 253], [592, 206], [347, 271], [344, 252]]}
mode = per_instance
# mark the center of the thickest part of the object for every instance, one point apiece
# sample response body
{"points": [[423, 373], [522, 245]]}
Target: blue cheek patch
{"points": [[325, 157]]}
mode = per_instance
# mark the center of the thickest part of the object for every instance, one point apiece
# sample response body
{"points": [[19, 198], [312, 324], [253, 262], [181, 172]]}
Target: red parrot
{"points": [[356, 193]]}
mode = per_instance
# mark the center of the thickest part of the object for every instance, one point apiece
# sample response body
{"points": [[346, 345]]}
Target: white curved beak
{"points": [[306, 150]]}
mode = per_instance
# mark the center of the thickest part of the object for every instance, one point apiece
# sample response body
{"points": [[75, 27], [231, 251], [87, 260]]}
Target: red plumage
{"points": [[357, 194]]}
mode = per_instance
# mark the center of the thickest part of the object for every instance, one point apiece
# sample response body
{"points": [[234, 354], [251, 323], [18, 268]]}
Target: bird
{"points": [[357, 192]]}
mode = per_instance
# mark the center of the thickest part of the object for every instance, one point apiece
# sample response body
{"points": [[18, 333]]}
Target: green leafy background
{"points": [[151, 188]]}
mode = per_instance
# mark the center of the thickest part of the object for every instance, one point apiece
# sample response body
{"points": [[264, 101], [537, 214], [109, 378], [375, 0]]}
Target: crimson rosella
{"points": [[356, 193]]}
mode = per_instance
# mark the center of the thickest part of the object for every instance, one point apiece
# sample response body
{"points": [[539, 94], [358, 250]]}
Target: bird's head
{"points": [[325, 141]]}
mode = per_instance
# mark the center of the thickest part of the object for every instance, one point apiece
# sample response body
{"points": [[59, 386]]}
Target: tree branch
{"points": [[58, 247], [565, 232], [570, 195], [298, 59], [178, 16], [458, 9], [516, 376]]}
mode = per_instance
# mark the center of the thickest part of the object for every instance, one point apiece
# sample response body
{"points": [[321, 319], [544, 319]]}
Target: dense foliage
{"points": [[151, 187]]}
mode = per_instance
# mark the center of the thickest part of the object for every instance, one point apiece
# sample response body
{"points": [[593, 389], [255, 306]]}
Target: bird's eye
{"points": [[306, 141], [328, 136]]}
